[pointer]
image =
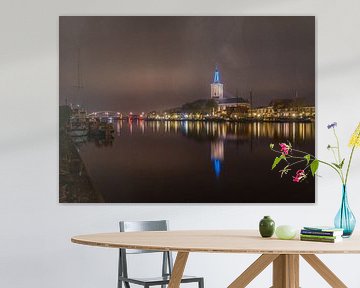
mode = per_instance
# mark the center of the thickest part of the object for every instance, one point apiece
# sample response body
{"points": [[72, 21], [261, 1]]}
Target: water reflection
{"points": [[216, 133], [197, 161], [217, 155], [294, 132], [220, 133]]}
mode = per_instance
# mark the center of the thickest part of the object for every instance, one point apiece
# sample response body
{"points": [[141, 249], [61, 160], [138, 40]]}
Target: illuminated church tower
{"points": [[217, 89]]}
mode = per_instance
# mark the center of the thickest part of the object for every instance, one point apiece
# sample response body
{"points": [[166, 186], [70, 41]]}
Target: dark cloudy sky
{"points": [[151, 63]]}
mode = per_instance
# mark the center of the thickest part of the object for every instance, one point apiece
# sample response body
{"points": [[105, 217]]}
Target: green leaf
{"points": [[271, 146], [342, 163], [277, 161], [307, 157], [314, 166]]}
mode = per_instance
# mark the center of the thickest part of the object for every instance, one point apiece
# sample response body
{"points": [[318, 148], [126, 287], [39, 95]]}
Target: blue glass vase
{"points": [[345, 219]]}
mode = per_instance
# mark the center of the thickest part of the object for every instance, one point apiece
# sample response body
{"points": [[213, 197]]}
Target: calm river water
{"points": [[196, 162]]}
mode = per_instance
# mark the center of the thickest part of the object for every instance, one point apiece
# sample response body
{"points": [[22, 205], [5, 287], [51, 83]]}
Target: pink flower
{"points": [[300, 175], [284, 148]]}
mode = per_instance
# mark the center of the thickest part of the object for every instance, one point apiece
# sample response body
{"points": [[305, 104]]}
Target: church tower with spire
{"points": [[217, 88]]}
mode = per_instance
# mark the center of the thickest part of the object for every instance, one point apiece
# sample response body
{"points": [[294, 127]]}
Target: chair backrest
{"points": [[133, 226], [138, 226]]}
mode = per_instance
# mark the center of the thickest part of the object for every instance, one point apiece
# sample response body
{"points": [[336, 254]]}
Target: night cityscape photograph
{"points": [[175, 109]]}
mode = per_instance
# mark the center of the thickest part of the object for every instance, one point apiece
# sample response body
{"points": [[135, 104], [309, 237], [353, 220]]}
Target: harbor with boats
{"points": [[75, 185], [100, 152]]}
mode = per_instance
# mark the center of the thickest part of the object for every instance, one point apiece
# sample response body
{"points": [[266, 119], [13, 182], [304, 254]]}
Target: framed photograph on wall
{"points": [[183, 109]]}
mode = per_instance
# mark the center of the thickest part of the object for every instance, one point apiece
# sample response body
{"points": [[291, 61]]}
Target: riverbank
{"points": [[74, 183]]}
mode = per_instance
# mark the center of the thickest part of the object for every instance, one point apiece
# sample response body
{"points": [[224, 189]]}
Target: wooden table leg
{"points": [[324, 271], [293, 264], [286, 271], [253, 270], [178, 269]]}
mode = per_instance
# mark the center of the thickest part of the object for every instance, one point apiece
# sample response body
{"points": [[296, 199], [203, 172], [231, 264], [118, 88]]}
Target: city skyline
{"points": [[184, 104], [156, 63]]}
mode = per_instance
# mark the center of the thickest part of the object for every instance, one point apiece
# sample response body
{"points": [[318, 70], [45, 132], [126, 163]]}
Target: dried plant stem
{"points": [[348, 167], [339, 161], [336, 169]]}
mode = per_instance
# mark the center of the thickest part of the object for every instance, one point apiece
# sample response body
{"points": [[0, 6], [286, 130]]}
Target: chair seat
{"points": [[158, 280]]}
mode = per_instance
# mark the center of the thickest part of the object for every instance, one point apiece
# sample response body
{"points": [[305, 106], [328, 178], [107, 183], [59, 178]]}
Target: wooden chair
{"points": [[167, 263]]}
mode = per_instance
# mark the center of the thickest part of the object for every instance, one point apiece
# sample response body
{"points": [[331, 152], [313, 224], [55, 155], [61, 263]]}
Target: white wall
{"points": [[35, 231]]}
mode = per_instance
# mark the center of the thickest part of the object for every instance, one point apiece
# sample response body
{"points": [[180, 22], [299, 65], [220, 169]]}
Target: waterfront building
{"points": [[284, 109], [235, 105], [227, 106]]}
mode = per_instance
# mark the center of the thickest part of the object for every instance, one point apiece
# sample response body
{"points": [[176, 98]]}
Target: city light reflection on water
{"points": [[198, 161], [294, 132]]}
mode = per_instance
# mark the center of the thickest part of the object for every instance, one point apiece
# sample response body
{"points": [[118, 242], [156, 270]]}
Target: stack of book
{"points": [[321, 234]]}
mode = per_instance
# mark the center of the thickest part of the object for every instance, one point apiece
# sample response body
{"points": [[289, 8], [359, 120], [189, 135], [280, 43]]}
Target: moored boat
{"points": [[78, 125]]}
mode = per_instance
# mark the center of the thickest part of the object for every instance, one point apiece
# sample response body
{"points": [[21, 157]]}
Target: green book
{"points": [[325, 240], [319, 236]]}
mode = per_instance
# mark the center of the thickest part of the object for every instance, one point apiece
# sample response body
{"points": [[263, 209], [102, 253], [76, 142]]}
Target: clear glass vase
{"points": [[345, 219]]}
